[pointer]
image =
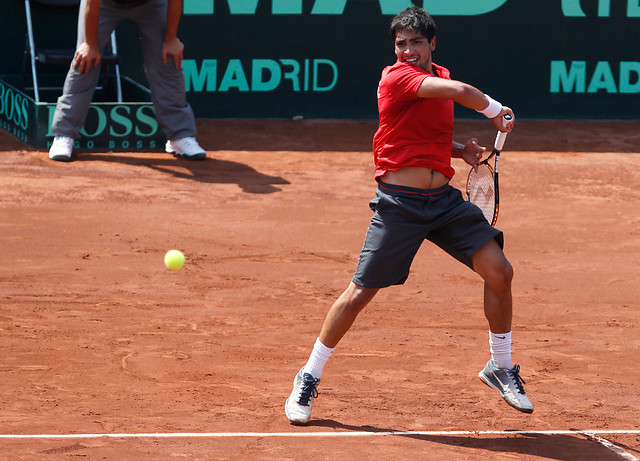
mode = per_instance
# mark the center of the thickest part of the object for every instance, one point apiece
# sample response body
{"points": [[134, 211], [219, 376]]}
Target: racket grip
{"points": [[501, 137]]}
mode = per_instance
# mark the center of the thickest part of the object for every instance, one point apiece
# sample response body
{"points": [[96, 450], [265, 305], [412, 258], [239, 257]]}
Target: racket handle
{"points": [[501, 137]]}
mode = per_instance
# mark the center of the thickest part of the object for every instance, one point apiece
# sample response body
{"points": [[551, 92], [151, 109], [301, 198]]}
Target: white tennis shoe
{"points": [[61, 149], [509, 383], [299, 404], [186, 148]]}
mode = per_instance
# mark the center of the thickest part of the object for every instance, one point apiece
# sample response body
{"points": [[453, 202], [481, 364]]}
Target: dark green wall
{"points": [[571, 59]]}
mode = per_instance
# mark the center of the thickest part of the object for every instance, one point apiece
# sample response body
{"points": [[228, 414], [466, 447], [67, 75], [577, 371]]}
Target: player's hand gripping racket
{"points": [[482, 185]]}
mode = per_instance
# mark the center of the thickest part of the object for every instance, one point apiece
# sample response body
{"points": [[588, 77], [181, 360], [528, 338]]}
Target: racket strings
{"points": [[481, 191]]}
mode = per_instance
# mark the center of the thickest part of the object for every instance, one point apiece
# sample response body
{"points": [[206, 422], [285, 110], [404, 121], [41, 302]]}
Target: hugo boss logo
{"points": [[14, 106], [119, 121]]}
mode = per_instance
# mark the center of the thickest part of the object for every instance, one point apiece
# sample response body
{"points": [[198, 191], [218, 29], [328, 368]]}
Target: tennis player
{"points": [[414, 201]]}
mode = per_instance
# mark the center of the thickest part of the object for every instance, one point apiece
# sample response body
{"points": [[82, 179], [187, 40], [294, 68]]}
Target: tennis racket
{"points": [[482, 185]]}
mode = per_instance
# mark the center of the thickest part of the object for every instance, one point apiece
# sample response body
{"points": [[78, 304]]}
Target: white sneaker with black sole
{"points": [[186, 148], [61, 149]]}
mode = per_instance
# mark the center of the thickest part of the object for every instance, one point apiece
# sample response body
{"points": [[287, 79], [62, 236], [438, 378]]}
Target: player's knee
{"points": [[358, 297], [499, 275], [503, 274], [507, 272]]}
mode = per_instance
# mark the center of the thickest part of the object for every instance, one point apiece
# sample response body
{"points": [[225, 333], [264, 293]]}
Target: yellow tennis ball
{"points": [[174, 260]]}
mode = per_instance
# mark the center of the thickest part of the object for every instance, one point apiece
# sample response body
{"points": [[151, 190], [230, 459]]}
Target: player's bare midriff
{"points": [[413, 176]]}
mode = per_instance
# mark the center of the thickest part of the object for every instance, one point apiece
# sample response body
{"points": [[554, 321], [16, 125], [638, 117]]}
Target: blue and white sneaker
{"points": [[509, 384], [298, 405]]}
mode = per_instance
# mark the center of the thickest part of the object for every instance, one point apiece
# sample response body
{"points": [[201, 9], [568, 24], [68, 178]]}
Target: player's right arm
{"points": [[87, 56], [465, 94]]}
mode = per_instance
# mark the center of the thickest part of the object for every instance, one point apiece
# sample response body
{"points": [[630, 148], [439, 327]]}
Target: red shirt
{"points": [[413, 131]]}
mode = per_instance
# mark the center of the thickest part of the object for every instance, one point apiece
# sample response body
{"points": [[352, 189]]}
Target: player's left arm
{"points": [[468, 96], [460, 92], [172, 45]]}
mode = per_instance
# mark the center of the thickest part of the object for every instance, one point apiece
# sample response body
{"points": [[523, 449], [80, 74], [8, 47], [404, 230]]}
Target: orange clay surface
{"points": [[98, 337]]}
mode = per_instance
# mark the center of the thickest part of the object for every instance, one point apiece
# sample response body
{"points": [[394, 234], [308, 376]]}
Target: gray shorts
{"points": [[404, 217]]}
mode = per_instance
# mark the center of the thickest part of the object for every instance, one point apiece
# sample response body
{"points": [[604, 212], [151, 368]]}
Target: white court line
{"points": [[591, 434], [610, 446]]}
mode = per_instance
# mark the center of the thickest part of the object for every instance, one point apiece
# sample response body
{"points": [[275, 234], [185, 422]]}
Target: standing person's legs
{"points": [[167, 84], [73, 104]]}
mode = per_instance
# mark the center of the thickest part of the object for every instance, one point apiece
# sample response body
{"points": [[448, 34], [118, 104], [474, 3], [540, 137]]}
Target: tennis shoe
{"points": [[298, 405], [509, 383], [61, 149], [186, 148]]}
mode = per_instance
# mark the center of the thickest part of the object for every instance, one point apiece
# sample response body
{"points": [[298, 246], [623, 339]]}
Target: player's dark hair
{"points": [[413, 18]]}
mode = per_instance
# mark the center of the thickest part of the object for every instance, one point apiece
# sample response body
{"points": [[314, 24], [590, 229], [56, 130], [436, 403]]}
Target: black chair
{"points": [[59, 50]]}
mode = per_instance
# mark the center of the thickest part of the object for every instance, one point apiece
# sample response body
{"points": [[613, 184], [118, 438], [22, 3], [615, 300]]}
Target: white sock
{"points": [[500, 345], [317, 360]]}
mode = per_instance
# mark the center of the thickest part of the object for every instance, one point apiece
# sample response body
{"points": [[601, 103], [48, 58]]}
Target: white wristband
{"points": [[493, 109]]}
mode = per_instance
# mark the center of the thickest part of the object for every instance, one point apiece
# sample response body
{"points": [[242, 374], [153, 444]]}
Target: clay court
{"points": [[106, 354]]}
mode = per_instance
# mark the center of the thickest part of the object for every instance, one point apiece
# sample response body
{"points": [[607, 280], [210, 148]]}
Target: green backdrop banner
{"points": [[127, 126], [573, 59]]}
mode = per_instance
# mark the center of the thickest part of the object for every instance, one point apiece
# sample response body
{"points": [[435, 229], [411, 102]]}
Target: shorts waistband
{"points": [[414, 191], [129, 3]]}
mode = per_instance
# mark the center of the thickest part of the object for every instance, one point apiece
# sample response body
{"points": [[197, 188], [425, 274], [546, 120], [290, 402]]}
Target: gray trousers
{"points": [[167, 84]]}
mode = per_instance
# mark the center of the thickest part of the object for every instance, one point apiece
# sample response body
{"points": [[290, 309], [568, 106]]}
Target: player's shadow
{"points": [[210, 170], [563, 447]]}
